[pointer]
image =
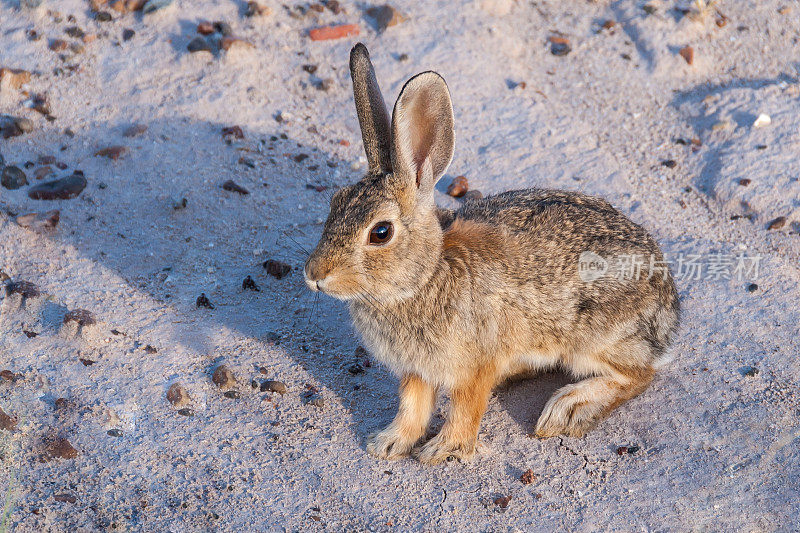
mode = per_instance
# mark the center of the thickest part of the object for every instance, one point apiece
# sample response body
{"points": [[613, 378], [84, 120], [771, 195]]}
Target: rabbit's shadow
{"points": [[524, 396]]}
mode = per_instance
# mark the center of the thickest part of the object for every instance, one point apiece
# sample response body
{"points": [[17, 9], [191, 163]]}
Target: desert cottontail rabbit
{"points": [[524, 280]]}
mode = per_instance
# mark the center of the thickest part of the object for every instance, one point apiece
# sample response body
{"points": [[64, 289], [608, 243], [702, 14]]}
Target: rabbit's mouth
{"points": [[324, 285]]}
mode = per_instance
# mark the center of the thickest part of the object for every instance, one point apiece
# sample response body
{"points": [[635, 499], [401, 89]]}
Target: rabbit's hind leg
{"points": [[574, 409]]}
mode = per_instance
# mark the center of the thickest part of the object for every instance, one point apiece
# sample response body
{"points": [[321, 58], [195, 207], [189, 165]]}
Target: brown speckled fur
{"points": [[462, 300]]}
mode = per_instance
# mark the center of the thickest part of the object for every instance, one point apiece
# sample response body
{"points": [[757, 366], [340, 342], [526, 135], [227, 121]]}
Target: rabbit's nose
{"points": [[314, 272]]}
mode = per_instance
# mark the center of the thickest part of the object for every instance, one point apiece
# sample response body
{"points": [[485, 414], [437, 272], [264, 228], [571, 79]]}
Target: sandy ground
{"points": [[718, 449]]}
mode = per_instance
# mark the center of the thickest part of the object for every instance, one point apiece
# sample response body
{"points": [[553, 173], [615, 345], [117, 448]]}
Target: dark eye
{"points": [[381, 233]]}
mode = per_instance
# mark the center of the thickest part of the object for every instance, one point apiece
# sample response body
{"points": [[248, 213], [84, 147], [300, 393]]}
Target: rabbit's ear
{"points": [[422, 132], [371, 110]]}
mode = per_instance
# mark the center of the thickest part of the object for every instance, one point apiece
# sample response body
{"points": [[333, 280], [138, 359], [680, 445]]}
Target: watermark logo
{"points": [[622, 267], [591, 266]]}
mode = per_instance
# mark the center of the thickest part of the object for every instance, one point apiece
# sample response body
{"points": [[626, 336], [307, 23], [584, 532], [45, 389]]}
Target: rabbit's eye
{"points": [[381, 233]]}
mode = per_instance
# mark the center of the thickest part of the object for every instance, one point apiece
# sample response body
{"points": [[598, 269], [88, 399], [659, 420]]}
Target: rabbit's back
{"points": [[549, 235]]}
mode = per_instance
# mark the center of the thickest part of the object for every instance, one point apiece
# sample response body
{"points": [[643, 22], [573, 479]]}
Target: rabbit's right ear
{"points": [[423, 135], [371, 110]]}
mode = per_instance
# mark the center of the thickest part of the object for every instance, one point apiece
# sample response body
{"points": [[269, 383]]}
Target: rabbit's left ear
{"points": [[423, 134]]}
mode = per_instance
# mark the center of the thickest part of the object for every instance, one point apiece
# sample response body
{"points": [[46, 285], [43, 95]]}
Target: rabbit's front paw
{"points": [[389, 444], [440, 449]]}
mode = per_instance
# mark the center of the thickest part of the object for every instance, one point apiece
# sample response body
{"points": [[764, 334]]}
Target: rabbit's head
{"points": [[382, 238]]}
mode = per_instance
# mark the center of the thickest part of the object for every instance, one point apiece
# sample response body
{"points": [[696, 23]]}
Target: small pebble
{"points": [[256, 9], [277, 268], [198, 44], [687, 53], [186, 412], [752, 287], [177, 395], [335, 7], [65, 498], [232, 186], [315, 400], [223, 377], [103, 16], [154, 5], [223, 28], [231, 42], [232, 394], [326, 33], [60, 189], [205, 28], [669, 163], [527, 477], [15, 78], [744, 182], [203, 301], [43, 172], [750, 371], [14, 126], [502, 501], [25, 289], [273, 386], [58, 45], [7, 423], [134, 130], [59, 448], [114, 432], [128, 34], [80, 316], [39, 221], [627, 450], [112, 152], [472, 195], [249, 285], [762, 121], [355, 369], [385, 16], [559, 46], [311, 69], [458, 187], [233, 131], [778, 223], [8, 375], [13, 178]]}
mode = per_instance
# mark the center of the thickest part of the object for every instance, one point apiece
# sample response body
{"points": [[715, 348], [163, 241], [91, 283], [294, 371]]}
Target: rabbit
{"points": [[460, 301]]}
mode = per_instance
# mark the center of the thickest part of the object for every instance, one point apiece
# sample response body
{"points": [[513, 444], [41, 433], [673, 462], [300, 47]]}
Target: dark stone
{"points": [[249, 285], [232, 186], [60, 189], [274, 386], [276, 268], [749, 371], [26, 289], [198, 44], [203, 301], [81, 316], [13, 178]]}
